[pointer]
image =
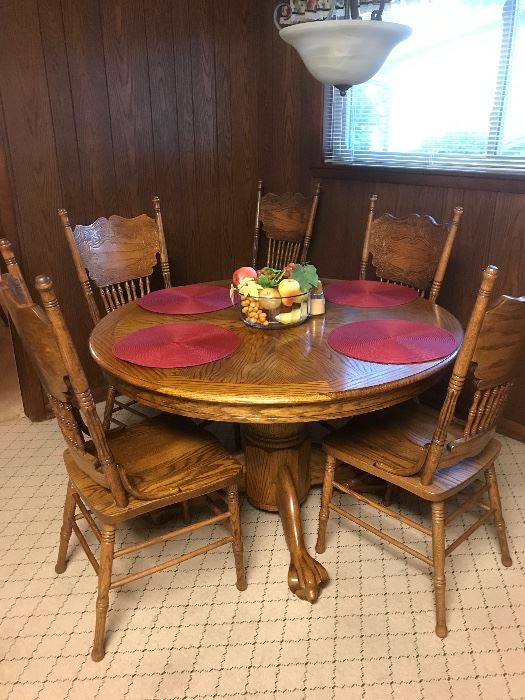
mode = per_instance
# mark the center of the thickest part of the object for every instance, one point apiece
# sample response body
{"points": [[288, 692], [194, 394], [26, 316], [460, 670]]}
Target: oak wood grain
{"points": [[166, 130], [28, 136], [286, 221], [115, 476], [116, 250], [291, 159], [106, 104], [275, 382], [90, 94], [32, 395], [276, 123], [222, 19], [413, 250], [181, 32], [437, 455], [61, 103], [119, 255], [207, 245], [126, 61], [244, 22], [290, 375]]}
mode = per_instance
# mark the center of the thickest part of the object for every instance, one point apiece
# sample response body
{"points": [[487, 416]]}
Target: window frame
{"points": [[489, 182]]}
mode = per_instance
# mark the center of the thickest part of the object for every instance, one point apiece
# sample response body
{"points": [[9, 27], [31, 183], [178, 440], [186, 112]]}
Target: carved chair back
{"points": [[119, 255], [413, 251], [47, 340], [491, 353], [287, 221]]}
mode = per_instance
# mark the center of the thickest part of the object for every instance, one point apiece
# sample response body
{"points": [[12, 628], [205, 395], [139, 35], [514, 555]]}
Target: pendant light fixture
{"points": [[338, 51]]}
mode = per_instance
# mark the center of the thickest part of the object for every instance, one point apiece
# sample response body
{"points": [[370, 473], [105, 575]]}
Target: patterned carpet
{"points": [[188, 632]]}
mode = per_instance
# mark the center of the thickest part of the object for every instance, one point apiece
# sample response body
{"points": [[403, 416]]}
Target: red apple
{"points": [[243, 273]]}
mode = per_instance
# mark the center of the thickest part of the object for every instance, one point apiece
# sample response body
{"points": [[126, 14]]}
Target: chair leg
{"points": [[108, 410], [326, 497], [237, 436], [389, 495], [66, 529], [438, 554], [107, 547], [495, 504], [235, 526], [186, 513]]}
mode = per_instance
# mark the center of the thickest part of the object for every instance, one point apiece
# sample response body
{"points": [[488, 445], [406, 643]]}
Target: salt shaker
{"points": [[317, 306]]}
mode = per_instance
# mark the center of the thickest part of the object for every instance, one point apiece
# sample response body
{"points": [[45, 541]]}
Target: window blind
{"points": [[450, 97]]}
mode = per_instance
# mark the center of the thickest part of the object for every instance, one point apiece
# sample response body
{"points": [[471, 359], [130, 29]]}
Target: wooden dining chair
{"points": [[412, 251], [118, 256], [435, 456], [287, 221], [116, 476], [11, 263], [8, 256]]}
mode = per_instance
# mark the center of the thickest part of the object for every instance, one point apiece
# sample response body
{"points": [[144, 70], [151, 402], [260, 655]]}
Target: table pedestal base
{"points": [[278, 479]]}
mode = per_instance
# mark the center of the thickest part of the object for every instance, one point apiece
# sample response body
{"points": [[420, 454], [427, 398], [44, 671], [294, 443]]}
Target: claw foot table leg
{"points": [[278, 479], [305, 575]]}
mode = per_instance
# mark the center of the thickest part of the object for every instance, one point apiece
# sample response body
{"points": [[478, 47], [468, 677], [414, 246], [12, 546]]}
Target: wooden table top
{"points": [[288, 375]]}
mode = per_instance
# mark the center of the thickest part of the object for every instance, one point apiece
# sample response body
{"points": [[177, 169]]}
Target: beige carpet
{"points": [[188, 632], [10, 399]]}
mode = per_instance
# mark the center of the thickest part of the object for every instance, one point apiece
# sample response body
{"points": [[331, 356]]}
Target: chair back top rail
{"points": [[413, 250], [287, 221], [118, 255]]}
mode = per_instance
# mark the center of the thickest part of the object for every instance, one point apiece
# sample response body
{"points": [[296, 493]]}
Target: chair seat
{"points": [[166, 458], [391, 444]]}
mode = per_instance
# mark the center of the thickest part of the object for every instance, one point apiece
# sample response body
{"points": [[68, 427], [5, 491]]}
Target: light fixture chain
{"points": [[378, 14]]}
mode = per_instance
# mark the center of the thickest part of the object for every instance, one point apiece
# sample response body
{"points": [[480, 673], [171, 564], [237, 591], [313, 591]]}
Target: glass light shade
{"points": [[344, 52]]}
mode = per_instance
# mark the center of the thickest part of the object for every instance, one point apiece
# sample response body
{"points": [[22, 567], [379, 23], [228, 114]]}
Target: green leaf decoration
{"points": [[306, 275], [263, 280], [269, 278]]}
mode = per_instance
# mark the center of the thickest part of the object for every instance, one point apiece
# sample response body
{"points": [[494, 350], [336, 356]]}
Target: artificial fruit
{"points": [[269, 298], [243, 273], [289, 289]]}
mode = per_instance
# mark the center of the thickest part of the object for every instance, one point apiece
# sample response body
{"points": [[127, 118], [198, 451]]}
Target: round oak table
{"points": [[276, 383]]}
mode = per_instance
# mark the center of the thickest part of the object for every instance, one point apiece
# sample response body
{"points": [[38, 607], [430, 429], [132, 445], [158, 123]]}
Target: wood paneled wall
{"points": [[105, 104], [492, 232], [493, 227]]}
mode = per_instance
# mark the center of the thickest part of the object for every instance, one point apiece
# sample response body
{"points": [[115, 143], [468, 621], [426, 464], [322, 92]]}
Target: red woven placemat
{"points": [[368, 293], [187, 299], [177, 345], [392, 341]]}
